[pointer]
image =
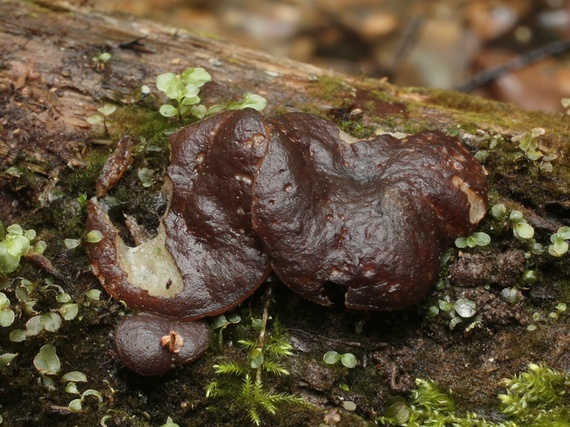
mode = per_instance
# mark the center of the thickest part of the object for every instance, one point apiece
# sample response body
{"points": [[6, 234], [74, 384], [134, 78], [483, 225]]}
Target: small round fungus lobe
{"points": [[150, 344], [330, 219]]}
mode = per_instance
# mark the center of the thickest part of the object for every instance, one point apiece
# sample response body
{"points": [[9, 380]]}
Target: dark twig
{"points": [[521, 61], [406, 42]]}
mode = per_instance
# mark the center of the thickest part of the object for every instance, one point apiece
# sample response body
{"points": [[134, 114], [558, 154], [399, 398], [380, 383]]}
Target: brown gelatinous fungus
{"points": [[115, 166], [205, 258], [367, 218], [370, 218], [139, 341]]}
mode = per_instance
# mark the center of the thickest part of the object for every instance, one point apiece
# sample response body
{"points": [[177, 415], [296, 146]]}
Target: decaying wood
{"points": [[50, 84]]}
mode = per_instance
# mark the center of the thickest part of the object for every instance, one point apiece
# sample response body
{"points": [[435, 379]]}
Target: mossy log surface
{"points": [[50, 84]]}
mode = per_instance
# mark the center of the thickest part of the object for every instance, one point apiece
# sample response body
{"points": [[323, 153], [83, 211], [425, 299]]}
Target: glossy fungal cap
{"points": [[205, 258], [370, 218], [150, 344]]}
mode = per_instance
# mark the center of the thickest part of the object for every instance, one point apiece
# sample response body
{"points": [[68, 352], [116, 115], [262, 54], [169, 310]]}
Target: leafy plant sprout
{"points": [[457, 311], [499, 211], [478, 238], [488, 143], [15, 244], [521, 229], [184, 89], [348, 360], [528, 144], [106, 110], [101, 60], [222, 322], [559, 242], [243, 384]]}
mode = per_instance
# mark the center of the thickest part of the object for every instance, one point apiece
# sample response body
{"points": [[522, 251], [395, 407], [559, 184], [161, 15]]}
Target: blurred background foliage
{"points": [[436, 43]]}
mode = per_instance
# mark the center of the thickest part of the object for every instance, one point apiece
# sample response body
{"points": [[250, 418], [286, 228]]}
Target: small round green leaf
{"points": [[331, 357], [433, 311], [63, 298], [465, 308], [481, 239], [69, 311], [16, 245], [94, 236], [168, 110], [523, 230], [145, 175], [461, 242], [93, 294], [34, 326], [199, 111], [51, 321], [75, 376], [564, 232], [107, 109], [7, 317], [17, 335], [94, 119], [397, 409], [196, 76], [499, 211], [219, 321], [4, 301], [15, 229], [516, 216], [445, 305], [256, 358], [163, 81], [75, 406], [46, 361], [6, 358], [349, 405], [190, 91], [8, 263], [348, 360], [71, 243], [71, 388]]}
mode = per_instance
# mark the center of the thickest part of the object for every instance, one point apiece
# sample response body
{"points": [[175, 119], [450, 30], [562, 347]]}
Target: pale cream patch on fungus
{"points": [[477, 204]]}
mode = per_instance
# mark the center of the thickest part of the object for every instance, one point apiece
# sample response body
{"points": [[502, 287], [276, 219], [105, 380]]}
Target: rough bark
{"points": [[50, 84]]}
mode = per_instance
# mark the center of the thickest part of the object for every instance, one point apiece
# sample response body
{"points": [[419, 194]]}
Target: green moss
{"points": [[328, 88], [538, 397]]}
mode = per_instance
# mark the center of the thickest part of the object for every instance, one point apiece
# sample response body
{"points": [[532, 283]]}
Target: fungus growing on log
{"points": [[247, 195], [369, 217], [205, 259], [150, 344]]}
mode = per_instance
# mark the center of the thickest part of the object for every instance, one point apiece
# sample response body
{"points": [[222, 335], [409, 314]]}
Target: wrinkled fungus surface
{"points": [[371, 217], [363, 220]]}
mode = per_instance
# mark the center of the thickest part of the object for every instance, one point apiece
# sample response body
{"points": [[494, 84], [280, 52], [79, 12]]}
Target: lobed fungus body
{"points": [[247, 195], [205, 259], [369, 217]]}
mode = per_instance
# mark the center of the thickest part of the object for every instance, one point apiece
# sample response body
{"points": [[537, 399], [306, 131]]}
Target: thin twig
{"points": [[521, 61], [262, 331]]}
